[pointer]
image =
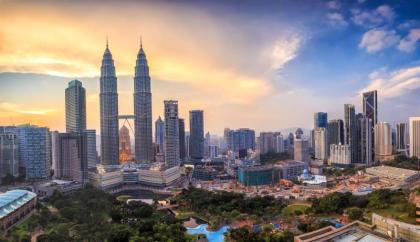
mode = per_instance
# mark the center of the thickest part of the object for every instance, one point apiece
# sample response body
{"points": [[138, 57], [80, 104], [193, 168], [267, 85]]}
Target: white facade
{"points": [[279, 144], [301, 150], [383, 139], [340, 154], [414, 136], [320, 137]]}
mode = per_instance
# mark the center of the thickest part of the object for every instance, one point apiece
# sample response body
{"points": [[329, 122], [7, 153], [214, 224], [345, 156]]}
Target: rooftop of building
{"points": [[257, 168], [354, 232], [392, 171], [12, 200]]}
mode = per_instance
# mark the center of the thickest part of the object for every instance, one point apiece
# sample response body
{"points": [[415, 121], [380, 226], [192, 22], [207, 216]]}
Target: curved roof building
{"points": [[14, 206]]}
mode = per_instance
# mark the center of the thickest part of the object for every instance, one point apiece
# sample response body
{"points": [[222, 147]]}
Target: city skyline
{"points": [[235, 88]]}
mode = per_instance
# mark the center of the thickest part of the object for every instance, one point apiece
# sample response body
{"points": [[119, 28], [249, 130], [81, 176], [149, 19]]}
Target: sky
{"points": [[266, 65]]}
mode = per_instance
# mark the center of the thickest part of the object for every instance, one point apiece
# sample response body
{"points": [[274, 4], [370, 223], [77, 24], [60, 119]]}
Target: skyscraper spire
{"points": [[143, 109], [107, 41]]}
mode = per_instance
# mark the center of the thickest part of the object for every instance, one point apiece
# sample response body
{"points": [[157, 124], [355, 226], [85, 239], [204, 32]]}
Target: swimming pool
{"points": [[212, 236]]}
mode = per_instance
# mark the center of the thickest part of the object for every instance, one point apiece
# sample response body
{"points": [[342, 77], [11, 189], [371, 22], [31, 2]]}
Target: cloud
{"points": [[333, 5], [408, 43], [336, 19], [378, 39], [7, 107], [394, 84], [381, 15], [284, 50]]}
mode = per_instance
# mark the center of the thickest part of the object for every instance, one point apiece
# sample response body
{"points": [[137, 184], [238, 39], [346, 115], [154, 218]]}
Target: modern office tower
{"points": [[207, 143], [92, 154], [72, 157], [350, 129], [213, 151], [187, 145], [401, 144], [279, 144], [340, 155], [267, 143], [335, 131], [414, 123], [357, 139], [321, 144], [366, 152], [196, 134], [125, 145], [54, 151], [320, 120], [240, 139], [291, 143], [34, 151], [301, 150], [159, 133], [171, 144], [383, 142], [370, 106], [142, 110], [181, 125], [299, 133], [75, 107], [9, 154], [108, 98]]}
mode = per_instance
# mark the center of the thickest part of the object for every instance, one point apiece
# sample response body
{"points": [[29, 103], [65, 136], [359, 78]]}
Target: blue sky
{"points": [[266, 65]]}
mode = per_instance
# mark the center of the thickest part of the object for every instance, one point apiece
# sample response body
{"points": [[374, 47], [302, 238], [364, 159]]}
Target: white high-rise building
{"points": [[414, 136], [279, 144], [340, 155], [320, 137], [383, 140]]}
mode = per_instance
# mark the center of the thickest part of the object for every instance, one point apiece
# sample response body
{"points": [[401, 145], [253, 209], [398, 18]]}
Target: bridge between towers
{"points": [[126, 118]]}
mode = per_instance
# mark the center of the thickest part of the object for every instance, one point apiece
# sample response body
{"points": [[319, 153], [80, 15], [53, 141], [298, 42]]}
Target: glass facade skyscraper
{"points": [[196, 135], [75, 107], [159, 133], [171, 146], [108, 98], [320, 120], [143, 110]]}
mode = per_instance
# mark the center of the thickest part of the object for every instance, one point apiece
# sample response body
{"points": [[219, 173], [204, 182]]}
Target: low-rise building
{"points": [[15, 206], [340, 155], [355, 231], [47, 189], [291, 169], [399, 231], [159, 176], [394, 174], [204, 173], [258, 175]]}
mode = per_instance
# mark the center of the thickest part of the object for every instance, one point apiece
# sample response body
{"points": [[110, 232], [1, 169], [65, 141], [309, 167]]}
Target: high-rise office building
{"points": [[357, 139], [207, 143], [335, 131], [92, 154], [240, 139], [142, 110], [321, 144], [320, 120], [366, 152], [340, 155], [350, 129], [402, 138], [196, 135], [383, 140], [108, 98], [171, 143], [159, 133], [181, 125], [125, 145], [187, 145], [268, 142], [370, 106], [299, 133], [9, 154], [75, 107], [279, 144], [34, 151], [414, 123], [54, 151], [72, 157], [301, 150]]}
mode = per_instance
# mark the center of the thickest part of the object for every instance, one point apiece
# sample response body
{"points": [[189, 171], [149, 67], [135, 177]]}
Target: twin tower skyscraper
{"points": [[109, 111]]}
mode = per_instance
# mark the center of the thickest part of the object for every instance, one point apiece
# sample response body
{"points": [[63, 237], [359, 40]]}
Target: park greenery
{"points": [[221, 207], [386, 202], [93, 215], [266, 233]]}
